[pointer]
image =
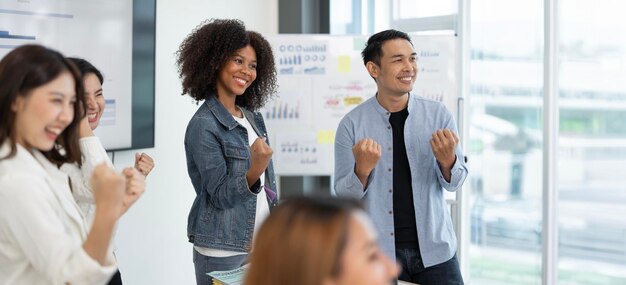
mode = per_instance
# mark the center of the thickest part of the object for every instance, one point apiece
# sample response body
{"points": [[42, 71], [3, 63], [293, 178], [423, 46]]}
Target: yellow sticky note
{"points": [[325, 137], [344, 64], [352, 100]]}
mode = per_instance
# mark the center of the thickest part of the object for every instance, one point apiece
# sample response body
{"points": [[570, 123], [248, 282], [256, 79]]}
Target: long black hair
{"points": [[21, 71]]}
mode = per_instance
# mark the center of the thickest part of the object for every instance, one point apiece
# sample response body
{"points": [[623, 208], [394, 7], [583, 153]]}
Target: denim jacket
{"points": [[218, 157]]}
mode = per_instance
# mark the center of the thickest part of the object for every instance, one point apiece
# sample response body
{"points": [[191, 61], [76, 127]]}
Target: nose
{"points": [[91, 101], [410, 66], [246, 70], [67, 114]]}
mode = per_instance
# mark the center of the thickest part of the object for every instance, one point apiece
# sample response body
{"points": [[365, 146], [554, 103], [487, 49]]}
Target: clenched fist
{"points": [[108, 190], [366, 155], [260, 156], [135, 186], [144, 163], [443, 143], [115, 193]]}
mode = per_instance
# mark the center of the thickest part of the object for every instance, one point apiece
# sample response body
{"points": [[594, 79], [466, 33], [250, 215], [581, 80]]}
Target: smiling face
{"points": [[363, 262], [94, 99], [42, 115], [395, 75], [238, 72]]}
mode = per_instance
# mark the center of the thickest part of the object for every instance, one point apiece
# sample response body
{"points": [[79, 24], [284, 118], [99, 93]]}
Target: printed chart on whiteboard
{"points": [[322, 78]]}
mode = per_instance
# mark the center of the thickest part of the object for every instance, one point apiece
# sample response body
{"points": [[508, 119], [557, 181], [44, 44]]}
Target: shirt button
{"points": [[387, 113], [391, 234], [389, 169], [389, 148], [388, 127], [389, 212], [390, 190]]}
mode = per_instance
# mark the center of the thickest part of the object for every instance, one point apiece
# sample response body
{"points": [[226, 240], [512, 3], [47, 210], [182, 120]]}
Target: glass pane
{"points": [[592, 138], [407, 9], [505, 142], [341, 17]]}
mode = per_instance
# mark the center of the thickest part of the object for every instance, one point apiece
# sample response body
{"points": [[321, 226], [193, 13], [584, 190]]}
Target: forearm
{"points": [[457, 174], [363, 176], [446, 170], [253, 175], [99, 237]]}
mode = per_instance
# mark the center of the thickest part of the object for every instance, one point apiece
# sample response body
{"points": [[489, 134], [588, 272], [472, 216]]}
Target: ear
{"points": [[18, 104], [372, 69]]}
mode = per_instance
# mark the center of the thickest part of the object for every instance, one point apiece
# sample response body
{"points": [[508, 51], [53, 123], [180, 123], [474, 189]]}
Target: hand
{"points": [[144, 163], [443, 143], [135, 186], [260, 155], [366, 155], [108, 189], [84, 129]]}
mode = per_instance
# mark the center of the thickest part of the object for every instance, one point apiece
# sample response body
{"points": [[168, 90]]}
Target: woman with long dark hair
{"points": [[43, 236]]}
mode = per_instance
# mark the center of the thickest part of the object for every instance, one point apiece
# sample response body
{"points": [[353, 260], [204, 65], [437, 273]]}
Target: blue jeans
{"points": [[206, 264], [413, 269]]}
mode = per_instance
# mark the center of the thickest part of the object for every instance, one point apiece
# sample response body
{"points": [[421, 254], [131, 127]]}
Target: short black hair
{"points": [[86, 67], [373, 50], [206, 50]]}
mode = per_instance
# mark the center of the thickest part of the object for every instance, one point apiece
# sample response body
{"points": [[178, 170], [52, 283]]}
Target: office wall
{"points": [[151, 241]]}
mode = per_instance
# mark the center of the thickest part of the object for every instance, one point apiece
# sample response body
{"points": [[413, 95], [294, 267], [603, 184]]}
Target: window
{"points": [[407, 9], [592, 142], [505, 142]]}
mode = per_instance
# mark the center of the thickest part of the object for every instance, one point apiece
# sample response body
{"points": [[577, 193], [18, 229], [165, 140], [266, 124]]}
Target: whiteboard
{"points": [[71, 27], [322, 77]]}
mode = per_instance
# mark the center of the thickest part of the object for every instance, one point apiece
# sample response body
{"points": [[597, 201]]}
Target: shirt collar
{"points": [[382, 111], [219, 111]]}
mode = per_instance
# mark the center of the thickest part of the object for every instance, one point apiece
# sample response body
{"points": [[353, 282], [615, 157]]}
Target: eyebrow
{"points": [[61, 94], [370, 244], [402, 55], [239, 55], [56, 93]]}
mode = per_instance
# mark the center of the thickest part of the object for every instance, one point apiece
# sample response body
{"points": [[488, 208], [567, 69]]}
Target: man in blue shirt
{"points": [[397, 152]]}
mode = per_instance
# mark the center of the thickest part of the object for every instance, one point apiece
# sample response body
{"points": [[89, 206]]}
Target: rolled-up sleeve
{"points": [[347, 183], [459, 169]]}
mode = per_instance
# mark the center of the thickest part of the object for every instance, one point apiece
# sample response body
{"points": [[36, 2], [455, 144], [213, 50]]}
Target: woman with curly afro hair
{"points": [[228, 156]]}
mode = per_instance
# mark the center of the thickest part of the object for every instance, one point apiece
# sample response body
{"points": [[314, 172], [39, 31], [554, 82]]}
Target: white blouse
{"points": [[93, 153], [42, 230]]}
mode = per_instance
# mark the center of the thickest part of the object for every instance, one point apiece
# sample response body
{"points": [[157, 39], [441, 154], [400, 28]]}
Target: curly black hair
{"points": [[209, 46]]}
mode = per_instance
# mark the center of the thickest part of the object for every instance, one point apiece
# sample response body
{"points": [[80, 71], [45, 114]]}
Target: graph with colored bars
{"points": [[108, 116], [437, 96], [283, 111]]}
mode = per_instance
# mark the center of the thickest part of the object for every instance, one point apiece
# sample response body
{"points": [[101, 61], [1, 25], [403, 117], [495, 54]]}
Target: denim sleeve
{"points": [[347, 184], [459, 169], [224, 189]]}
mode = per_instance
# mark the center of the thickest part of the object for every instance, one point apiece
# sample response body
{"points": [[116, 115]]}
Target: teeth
{"points": [[241, 80], [91, 116], [405, 78], [54, 130]]}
